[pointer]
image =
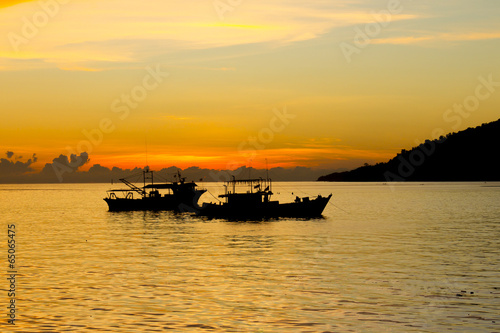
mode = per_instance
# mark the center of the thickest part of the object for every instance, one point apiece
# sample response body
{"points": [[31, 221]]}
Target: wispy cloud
{"points": [[222, 69], [97, 35], [443, 37], [174, 117]]}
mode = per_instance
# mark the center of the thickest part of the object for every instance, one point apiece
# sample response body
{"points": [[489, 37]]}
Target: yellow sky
{"points": [[192, 83]]}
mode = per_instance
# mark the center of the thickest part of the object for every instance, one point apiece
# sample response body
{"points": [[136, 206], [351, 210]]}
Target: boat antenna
{"points": [[146, 143], [267, 171], [268, 180]]}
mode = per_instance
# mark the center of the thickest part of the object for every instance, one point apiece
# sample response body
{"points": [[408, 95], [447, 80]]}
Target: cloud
{"points": [[67, 169], [73, 162], [443, 37], [63, 165], [9, 168], [126, 33]]}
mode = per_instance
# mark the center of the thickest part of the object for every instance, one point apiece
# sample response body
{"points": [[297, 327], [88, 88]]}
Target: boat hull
{"points": [[167, 202], [272, 209]]}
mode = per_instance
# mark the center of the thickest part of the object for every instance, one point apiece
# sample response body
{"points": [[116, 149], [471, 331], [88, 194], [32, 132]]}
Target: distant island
{"points": [[469, 155]]}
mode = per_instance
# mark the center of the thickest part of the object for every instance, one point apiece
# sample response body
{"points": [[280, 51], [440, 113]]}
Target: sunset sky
{"points": [[322, 84]]}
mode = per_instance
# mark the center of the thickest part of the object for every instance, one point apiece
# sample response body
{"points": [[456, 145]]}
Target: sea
{"points": [[395, 257]]}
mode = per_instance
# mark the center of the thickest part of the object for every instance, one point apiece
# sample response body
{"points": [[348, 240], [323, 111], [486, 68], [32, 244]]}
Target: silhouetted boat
{"points": [[256, 203], [181, 196]]}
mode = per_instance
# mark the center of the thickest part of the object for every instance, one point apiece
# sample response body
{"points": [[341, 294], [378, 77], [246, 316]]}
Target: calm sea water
{"points": [[403, 258]]}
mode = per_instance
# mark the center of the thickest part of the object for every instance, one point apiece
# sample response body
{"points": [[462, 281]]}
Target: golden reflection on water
{"points": [[413, 258]]}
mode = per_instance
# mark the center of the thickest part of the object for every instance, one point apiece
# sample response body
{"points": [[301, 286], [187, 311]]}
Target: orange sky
{"points": [[191, 85], [7, 3]]}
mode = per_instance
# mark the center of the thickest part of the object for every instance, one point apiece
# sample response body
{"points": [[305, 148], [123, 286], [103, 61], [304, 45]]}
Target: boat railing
{"points": [[128, 194], [151, 189], [262, 185]]}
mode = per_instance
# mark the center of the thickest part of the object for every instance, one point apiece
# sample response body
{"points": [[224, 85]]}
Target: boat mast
{"points": [[181, 180], [267, 176], [145, 176]]}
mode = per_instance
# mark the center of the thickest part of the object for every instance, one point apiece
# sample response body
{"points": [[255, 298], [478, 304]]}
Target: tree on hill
{"points": [[469, 155]]}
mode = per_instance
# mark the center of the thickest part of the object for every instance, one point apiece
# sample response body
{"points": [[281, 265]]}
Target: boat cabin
{"points": [[258, 191]]}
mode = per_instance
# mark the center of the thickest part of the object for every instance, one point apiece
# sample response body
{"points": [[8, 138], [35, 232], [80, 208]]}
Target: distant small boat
{"points": [[182, 196], [256, 203]]}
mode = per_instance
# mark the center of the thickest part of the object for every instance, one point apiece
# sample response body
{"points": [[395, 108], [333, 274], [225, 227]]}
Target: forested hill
{"points": [[469, 155]]}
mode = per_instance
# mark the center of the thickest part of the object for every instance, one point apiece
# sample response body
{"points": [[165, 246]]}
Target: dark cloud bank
{"points": [[64, 169], [13, 166]]}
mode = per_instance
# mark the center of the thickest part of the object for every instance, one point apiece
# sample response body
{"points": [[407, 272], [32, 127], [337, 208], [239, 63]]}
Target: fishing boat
{"points": [[256, 203], [181, 195]]}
